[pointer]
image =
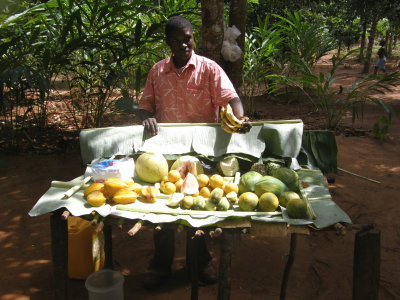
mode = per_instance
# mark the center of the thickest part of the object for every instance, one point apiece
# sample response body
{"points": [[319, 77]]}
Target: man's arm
{"points": [[237, 107], [148, 121]]}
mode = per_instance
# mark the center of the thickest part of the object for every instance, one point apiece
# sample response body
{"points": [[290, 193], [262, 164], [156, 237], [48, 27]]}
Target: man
{"points": [[184, 88]]}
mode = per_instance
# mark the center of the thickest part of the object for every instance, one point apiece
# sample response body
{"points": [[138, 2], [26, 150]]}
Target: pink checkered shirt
{"points": [[190, 97]]}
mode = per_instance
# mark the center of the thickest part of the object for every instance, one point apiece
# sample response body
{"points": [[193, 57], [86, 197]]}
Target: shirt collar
{"points": [[170, 64]]}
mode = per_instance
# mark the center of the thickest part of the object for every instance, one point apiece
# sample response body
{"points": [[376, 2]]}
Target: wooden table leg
{"points": [[107, 230], [366, 265], [289, 263], [224, 277], [59, 247], [194, 265]]}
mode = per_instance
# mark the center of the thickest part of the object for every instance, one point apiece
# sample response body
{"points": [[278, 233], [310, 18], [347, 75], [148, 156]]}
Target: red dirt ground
{"points": [[323, 266]]}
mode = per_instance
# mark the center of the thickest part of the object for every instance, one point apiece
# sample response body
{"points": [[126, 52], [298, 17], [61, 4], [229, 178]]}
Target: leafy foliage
{"points": [[261, 44], [334, 104], [381, 127], [96, 47], [99, 50], [309, 41]]}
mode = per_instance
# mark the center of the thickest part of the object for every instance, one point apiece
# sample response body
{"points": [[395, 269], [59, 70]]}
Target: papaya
{"points": [[248, 181], [189, 185], [288, 177], [270, 184]]}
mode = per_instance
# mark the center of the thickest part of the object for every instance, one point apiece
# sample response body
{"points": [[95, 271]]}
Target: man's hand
{"points": [[149, 122], [232, 124], [150, 125], [232, 119]]}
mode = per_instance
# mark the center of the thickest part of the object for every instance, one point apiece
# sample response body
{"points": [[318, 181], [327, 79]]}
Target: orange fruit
{"points": [[169, 188], [178, 185], [174, 176], [231, 187], [203, 180], [205, 192], [216, 181]]}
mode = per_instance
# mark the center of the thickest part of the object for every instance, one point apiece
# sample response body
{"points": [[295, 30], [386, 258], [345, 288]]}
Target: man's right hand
{"points": [[150, 125], [148, 121]]}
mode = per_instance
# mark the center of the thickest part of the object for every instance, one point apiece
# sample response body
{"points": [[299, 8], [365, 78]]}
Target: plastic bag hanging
{"points": [[230, 50]]}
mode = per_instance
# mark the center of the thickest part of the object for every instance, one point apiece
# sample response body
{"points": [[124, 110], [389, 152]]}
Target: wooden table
{"points": [[230, 230]]}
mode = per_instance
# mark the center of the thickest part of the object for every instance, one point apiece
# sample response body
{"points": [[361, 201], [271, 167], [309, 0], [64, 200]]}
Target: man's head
{"points": [[179, 37], [382, 43]]}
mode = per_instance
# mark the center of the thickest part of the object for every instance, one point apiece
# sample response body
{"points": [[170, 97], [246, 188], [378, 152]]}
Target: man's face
{"points": [[181, 43]]}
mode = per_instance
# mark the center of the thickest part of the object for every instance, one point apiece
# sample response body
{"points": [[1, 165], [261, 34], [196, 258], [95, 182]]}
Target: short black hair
{"points": [[176, 23], [382, 43]]}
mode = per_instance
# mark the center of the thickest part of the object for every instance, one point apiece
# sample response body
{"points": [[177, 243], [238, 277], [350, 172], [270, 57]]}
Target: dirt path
{"points": [[323, 263]]}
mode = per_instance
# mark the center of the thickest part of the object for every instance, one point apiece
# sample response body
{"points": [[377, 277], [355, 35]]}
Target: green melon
{"points": [[248, 180], [286, 196], [297, 209], [268, 202], [270, 184], [288, 177], [248, 201]]}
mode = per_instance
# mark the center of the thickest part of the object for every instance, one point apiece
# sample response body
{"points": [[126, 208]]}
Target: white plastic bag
{"points": [[117, 168], [230, 50], [231, 33]]}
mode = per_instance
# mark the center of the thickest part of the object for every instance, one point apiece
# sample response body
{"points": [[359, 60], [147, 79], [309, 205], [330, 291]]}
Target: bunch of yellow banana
{"points": [[230, 123]]}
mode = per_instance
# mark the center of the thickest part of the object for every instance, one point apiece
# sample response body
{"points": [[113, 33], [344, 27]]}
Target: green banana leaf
{"points": [[320, 149]]}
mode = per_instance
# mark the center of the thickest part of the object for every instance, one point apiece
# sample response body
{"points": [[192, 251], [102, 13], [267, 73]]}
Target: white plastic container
{"points": [[105, 284]]}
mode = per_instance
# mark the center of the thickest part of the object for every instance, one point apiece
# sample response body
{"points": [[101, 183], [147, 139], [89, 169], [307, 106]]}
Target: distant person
{"points": [[381, 60]]}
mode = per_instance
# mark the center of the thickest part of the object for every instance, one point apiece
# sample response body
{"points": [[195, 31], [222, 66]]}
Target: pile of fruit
{"points": [[268, 192], [113, 190], [185, 185]]}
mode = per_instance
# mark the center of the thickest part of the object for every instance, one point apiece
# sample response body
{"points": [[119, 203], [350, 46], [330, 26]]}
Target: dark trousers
{"points": [[164, 244]]}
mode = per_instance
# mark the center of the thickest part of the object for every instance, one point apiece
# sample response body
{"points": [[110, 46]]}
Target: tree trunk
{"points": [[368, 54], [363, 35], [237, 17], [390, 44], [212, 30], [339, 48]]}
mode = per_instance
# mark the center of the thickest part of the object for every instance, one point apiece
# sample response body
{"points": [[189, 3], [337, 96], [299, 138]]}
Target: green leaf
{"points": [[387, 107], [36, 9], [138, 31]]}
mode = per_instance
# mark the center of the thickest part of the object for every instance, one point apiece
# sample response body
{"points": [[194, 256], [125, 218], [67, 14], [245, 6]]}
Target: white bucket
{"points": [[105, 285]]}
